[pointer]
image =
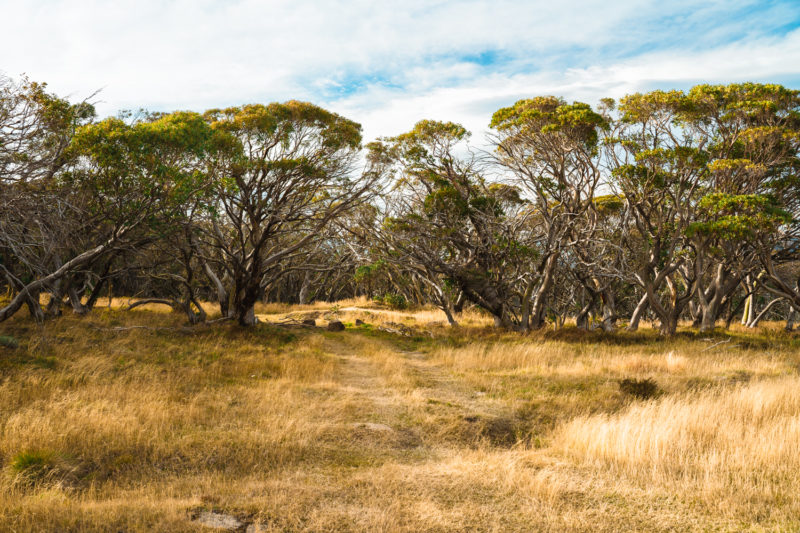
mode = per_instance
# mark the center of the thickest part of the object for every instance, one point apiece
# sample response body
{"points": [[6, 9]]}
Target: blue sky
{"points": [[389, 64]]}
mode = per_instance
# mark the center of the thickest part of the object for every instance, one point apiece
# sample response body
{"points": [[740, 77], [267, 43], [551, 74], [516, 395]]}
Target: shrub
{"points": [[38, 466], [395, 301], [8, 342], [34, 465], [641, 389]]}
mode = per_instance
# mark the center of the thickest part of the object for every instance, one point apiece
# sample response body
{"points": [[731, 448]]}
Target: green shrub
{"points": [[395, 301], [8, 342], [34, 465]]}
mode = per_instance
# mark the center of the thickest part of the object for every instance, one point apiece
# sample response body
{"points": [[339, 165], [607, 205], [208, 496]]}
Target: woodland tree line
{"points": [[666, 205]]}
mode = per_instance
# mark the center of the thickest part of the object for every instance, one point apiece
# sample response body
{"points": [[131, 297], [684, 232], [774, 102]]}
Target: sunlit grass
{"points": [[133, 421]]}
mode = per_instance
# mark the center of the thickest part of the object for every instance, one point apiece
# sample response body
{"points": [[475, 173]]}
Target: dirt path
{"points": [[278, 317], [414, 385]]}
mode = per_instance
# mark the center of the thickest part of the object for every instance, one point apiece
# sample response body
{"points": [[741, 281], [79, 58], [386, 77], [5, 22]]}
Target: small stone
{"points": [[309, 322], [218, 520], [335, 325], [359, 322]]}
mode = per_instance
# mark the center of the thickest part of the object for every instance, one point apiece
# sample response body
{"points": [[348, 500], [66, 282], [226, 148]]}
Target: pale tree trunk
{"points": [[749, 308], [754, 322], [696, 311], [748, 304], [56, 301], [458, 306], [669, 313], [540, 298], [609, 311], [448, 311], [442, 298], [302, 298], [669, 325], [709, 321], [75, 300], [446, 305], [222, 292], [636, 317], [582, 318], [525, 314], [712, 298]]}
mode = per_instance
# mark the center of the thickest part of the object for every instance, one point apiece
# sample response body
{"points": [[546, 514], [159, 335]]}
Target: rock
{"points": [[372, 426], [359, 322], [218, 520], [309, 322], [335, 325]]}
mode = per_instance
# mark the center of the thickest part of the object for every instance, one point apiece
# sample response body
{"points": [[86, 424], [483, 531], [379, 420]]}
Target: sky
{"points": [[387, 65]]}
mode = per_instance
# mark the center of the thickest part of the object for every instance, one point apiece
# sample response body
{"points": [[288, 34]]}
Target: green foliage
{"points": [[446, 199], [392, 300], [369, 272], [431, 131], [8, 341], [545, 115], [609, 203], [738, 217], [642, 107], [147, 170], [279, 121], [740, 101], [33, 462], [35, 466]]}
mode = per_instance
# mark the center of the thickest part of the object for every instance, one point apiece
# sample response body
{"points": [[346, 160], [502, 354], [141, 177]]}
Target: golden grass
{"points": [[740, 446], [110, 422]]}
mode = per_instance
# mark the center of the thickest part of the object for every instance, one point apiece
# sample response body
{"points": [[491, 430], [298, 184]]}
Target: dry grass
{"points": [[441, 429], [737, 450]]}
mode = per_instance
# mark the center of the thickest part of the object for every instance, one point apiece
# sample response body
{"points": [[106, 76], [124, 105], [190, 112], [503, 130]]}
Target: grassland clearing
{"points": [[132, 421]]}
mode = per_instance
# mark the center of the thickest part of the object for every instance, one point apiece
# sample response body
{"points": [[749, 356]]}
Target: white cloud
{"points": [[385, 63], [386, 112]]}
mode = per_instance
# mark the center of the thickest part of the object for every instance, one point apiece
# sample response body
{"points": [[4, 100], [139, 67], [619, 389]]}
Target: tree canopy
{"points": [[668, 205]]}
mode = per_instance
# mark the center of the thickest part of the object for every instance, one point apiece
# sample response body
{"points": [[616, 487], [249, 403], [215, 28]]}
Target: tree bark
{"points": [[539, 300], [35, 287], [754, 322], [302, 298], [222, 292], [636, 317], [609, 310], [790, 320]]}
